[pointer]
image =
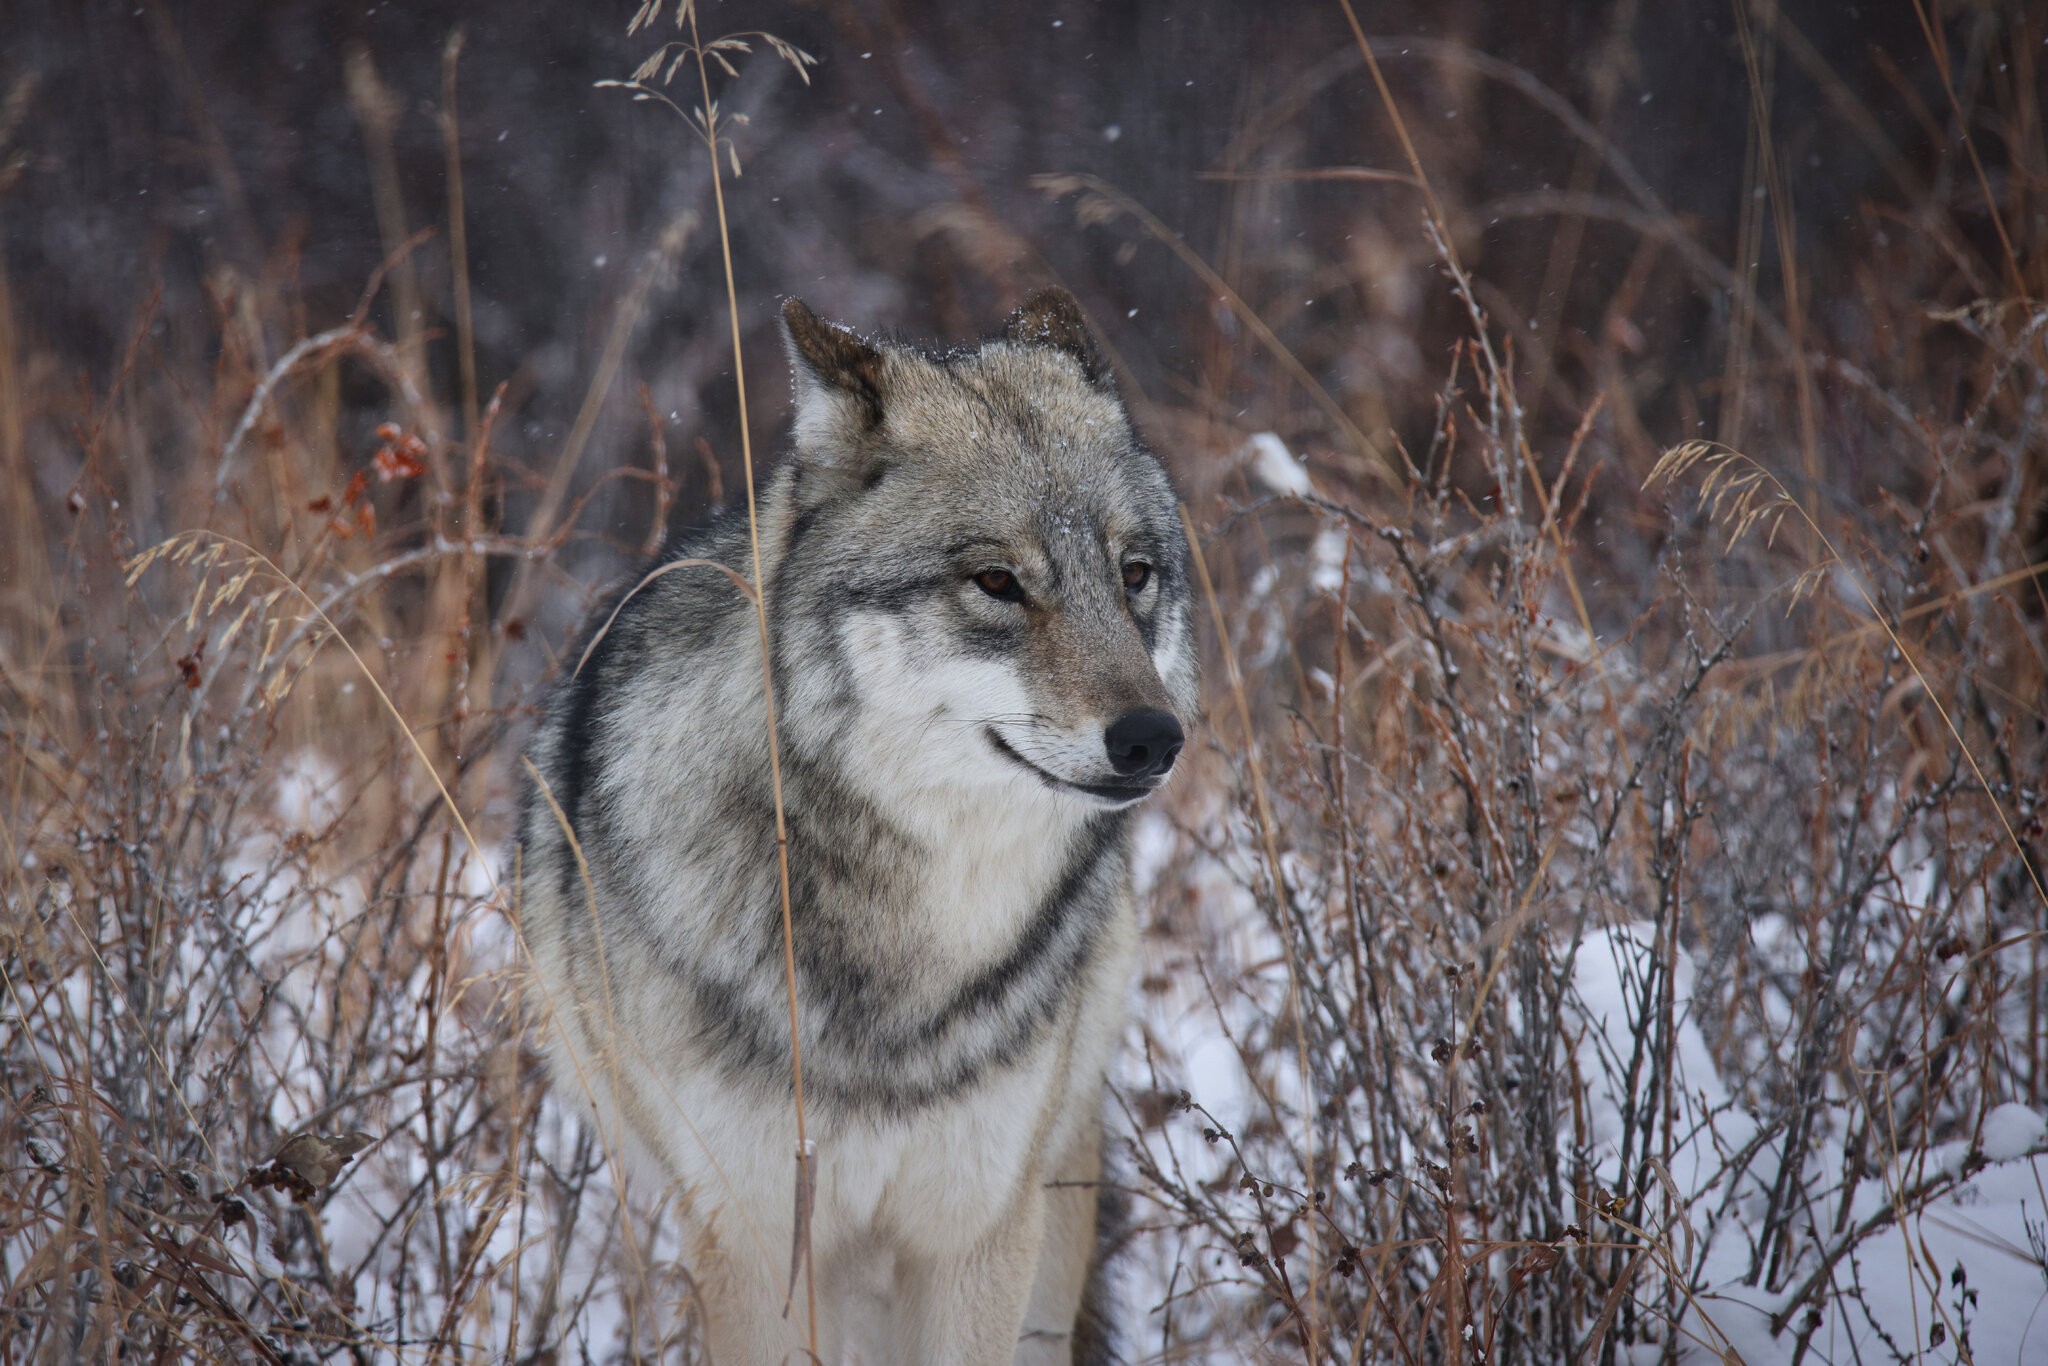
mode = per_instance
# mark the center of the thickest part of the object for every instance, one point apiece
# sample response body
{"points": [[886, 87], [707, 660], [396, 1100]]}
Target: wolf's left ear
{"points": [[838, 376], [1052, 317]]}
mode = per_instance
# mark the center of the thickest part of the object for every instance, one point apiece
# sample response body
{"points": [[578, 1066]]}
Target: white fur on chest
{"points": [[943, 1173], [985, 881], [931, 1178]]}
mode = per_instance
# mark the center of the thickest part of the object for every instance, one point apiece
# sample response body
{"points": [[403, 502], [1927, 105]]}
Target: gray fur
{"points": [[958, 834]]}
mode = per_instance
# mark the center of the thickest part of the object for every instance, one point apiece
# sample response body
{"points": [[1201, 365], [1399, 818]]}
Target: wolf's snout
{"points": [[1143, 743]]}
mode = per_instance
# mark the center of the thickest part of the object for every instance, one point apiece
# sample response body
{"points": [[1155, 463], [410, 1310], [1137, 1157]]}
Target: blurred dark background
{"points": [[243, 166]]}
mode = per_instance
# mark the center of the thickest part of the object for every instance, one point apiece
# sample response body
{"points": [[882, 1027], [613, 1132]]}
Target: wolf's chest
{"points": [[950, 1165], [979, 888], [960, 977]]}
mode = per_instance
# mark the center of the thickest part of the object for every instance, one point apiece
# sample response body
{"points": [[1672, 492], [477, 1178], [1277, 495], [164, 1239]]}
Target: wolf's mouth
{"points": [[1120, 794]]}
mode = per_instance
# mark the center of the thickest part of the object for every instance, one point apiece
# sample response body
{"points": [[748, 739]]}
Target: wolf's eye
{"points": [[1136, 575], [999, 583]]}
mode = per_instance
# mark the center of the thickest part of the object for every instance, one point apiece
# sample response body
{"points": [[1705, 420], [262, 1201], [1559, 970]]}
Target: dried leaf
{"points": [[800, 1235], [307, 1163]]}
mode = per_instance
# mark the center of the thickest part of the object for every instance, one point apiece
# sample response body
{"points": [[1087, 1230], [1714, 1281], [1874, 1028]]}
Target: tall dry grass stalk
{"points": [[704, 119]]}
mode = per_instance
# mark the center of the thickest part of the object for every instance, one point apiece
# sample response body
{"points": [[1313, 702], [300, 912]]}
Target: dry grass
{"points": [[1607, 908]]}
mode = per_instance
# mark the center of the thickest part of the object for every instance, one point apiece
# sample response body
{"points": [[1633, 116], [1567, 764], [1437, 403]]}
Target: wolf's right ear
{"points": [[1052, 317], [838, 379]]}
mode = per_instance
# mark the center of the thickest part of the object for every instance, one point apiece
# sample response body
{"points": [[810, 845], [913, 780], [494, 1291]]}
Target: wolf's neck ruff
{"points": [[979, 616], [893, 1033]]}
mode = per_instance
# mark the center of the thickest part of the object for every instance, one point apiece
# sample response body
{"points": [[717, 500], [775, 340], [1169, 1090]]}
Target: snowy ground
{"points": [[1959, 1275]]}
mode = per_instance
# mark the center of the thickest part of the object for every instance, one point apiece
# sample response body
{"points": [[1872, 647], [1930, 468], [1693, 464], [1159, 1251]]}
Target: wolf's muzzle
{"points": [[1143, 743]]}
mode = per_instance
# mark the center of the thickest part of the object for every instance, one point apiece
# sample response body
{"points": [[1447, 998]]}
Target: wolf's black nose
{"points": [[1142, 744]]}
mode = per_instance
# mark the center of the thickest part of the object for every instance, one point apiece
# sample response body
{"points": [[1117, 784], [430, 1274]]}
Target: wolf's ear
{"points": [[838, 377], [1052, 317]]}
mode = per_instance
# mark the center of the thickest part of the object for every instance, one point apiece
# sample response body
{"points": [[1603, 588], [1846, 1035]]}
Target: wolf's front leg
{"points": [[743, 1292], [966, 1307], [1067, 1253]]}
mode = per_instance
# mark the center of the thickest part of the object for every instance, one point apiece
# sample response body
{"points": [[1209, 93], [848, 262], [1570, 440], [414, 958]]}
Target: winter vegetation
{"points": [[1602, 919]]}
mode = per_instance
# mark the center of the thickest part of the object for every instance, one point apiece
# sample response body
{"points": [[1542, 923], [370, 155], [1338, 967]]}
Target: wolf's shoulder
{"points": [[669, 604], [671, 616]]}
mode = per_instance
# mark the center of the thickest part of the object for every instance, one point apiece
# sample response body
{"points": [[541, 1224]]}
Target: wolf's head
{"points": [[984, 578]]}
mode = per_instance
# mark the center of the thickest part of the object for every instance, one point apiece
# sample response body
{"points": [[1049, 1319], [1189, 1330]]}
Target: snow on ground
{"points": [[1961, 1272], [2011, 1131], [1964, 1268], [1960, 1278]]}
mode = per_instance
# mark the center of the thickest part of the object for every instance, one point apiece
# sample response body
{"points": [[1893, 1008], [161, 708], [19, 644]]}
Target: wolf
{"points": [[978, 618]]}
